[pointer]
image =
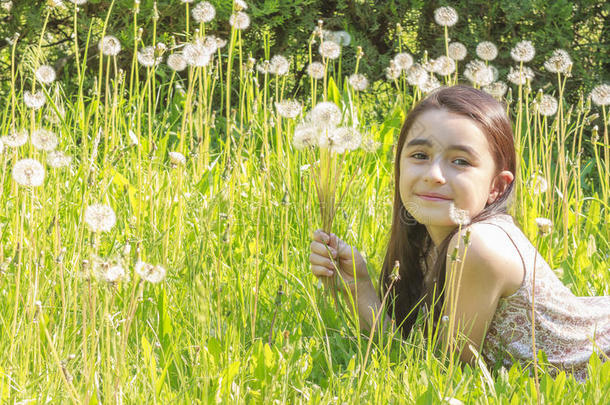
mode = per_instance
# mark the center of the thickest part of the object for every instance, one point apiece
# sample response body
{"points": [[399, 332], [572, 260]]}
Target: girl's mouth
{"points": [[428, 197]]}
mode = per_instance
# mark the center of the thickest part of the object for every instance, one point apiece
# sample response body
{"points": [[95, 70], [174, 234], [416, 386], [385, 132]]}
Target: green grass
{"points": [[239, 317]]}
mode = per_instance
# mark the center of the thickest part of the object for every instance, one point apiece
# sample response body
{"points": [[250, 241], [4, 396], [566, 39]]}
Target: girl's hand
{"points": [[349, 269]]}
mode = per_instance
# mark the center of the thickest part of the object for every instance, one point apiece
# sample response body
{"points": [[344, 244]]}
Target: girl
{"points": [[455, 153]]}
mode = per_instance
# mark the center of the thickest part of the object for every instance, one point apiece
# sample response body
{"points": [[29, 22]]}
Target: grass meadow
{"points": [[155, 224]]}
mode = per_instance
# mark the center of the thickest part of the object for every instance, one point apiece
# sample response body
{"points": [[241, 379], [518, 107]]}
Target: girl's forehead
{"points": [[441, 128]]}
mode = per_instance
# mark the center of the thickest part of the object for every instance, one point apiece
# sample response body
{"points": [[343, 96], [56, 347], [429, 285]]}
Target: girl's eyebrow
{"points": [[426, 142]]}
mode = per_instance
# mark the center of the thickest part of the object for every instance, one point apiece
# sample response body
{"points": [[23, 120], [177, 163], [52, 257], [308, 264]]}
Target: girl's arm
{"points": [[474, 284], [368, 305]]}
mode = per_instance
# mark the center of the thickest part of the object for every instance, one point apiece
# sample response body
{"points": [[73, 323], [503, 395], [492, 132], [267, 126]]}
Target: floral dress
{"points": [[568, 328]]}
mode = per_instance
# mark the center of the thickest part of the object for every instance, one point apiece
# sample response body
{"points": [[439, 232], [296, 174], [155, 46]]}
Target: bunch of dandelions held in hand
{"points": [[323, 134]]}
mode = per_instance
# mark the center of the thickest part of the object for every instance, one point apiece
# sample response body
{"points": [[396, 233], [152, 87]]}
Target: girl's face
{"points": [[446, 160]]}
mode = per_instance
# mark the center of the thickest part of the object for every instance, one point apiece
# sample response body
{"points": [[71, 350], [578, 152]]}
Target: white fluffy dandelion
{"points": [[100, 218], [523, 51], [487, 50], [58, 159], [520, 77], [148, 58], [444, 65], [239, 20], [177, 159], [110, 45], [392, 72], [417, 75], [341, 139], [240, 5], [16, 138], [330, 50], [459, 216], [325, 115], [547, 105], [150, 273], [108, 270], [600, 95], [34, 100], [403, 61], [342, 38], [457, 51], [176, 62], [544, 225], [445, 16], [559, 62], [196, 54], [430, 84], [305, 135], [538, 184], [478, 73], [358, 81], [496, 89], [45, 74], [315, 70], [28, 173], [279, 65], [289, 108], [43, 139], [203, 12]]}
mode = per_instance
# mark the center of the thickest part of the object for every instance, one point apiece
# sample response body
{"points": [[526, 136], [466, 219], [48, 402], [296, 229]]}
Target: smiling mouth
{"points": [[432, 198]]}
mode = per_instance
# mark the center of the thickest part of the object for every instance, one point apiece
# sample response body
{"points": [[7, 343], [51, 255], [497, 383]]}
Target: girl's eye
{"points": [[419, 155], [461, 162]]}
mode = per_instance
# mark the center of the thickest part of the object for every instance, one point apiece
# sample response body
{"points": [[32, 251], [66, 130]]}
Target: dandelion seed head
{"points": [[445, 16], [487, 50], [203, 12], [403, 61], [370, 145], [430, 84], [325, 115], [264, 67], [444, 65], [305, 135], [7, 5], [496, 89], [150, 273], [547, 105], [45, 74], [239, 20], [457, 51], [148, 58], [358, 81], [341, 139], [315, 70], [196, 54], [288, 108], [16, 138], [177, 159], [43, 139], [28, 173], [544, 226], [458, 216], [478, 73], [176, 62], [330, 50], [110, 45], [34, 100], [100, 218], [429, 65], [538, 184], [279, 65], [109, 271], [58, 159], [78, 2], [523, 51], [392, 72], [417, 75], [518, 77], [240, 5], [133, 138], [600, 95], [559, 62], [342, 38]]}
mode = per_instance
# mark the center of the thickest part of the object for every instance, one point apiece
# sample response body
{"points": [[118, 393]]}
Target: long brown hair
{"points": [[410, 242]]}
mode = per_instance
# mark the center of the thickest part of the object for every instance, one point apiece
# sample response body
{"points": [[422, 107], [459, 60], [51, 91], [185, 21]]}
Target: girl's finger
{"points": [[322, 249], [321, 261], [321, 236], [320, 271]]}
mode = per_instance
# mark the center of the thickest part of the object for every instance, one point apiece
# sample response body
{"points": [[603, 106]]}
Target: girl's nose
{"points": [[434, 174]]}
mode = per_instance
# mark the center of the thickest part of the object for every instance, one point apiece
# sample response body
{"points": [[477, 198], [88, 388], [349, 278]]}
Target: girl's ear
{"points": [[499, 184]]}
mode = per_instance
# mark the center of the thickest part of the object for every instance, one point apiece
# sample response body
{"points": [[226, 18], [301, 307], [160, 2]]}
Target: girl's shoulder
{"points": [[493, 251]]}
